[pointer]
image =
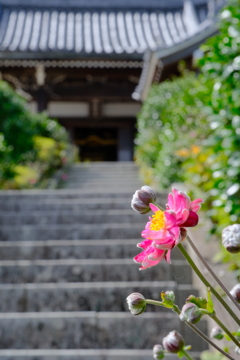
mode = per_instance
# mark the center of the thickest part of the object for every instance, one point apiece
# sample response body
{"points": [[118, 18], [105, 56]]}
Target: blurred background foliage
{"points": [[189, 128], [32, 146]]}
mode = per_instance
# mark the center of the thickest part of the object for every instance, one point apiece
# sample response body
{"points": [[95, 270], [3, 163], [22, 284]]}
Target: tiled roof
{"points": [[30, 31], [106, 4]]}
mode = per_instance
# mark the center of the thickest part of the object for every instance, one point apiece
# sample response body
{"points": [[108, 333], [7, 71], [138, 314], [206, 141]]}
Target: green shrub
{"points": [[189, 128], [171, 126], [24, 159]]}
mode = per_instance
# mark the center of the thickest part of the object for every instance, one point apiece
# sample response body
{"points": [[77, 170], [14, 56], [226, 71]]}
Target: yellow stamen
{"points": [[158, 221]]}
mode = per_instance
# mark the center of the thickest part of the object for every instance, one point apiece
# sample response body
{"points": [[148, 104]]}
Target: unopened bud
{"points": [[173, 342], [237, 350], [158, 352], [231, 238], [142, 198], [183, 234], [136, 303], [190, 313], [168, 298], [216, 333], [235, 292]]}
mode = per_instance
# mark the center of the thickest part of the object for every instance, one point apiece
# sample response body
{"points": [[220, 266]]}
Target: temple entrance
{"points": [[97, 144]]}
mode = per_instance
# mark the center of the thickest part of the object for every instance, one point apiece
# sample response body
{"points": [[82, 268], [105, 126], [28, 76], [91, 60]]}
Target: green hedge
{"points": [[189, 128], [21, 164]]}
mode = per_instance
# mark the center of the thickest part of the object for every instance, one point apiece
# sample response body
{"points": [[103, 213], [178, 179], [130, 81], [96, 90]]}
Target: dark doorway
{"points": [[97, 144]]}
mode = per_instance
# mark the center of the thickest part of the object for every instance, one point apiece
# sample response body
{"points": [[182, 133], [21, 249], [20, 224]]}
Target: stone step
{"points": [[71, 232], [74, 249], [98, 296], [84, 354], [77, 204], [111, 176], [71, 217], [42, 195], [91, 330], [75, 270], [105, 165], [105, 186], [64, 194]]}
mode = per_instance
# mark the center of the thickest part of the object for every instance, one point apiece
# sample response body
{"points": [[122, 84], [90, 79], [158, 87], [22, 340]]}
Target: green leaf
{"points": [[180, 354], [210, 304], [199, 301], [168, 298]]}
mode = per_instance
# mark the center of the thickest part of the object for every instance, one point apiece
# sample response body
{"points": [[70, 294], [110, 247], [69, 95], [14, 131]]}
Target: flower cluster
{"points": [[166, 229]]}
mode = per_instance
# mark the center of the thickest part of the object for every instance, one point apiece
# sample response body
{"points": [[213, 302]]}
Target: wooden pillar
{"points": [[41, 93], [125, 144], [41, 99]]}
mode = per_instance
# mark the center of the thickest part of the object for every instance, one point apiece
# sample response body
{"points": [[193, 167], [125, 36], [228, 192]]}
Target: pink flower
{"points": [[162, 234], [185, 210], [165, 229], [64, 177]]}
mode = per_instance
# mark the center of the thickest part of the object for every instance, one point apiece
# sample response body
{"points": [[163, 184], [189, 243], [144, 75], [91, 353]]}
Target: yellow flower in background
{"points": [[183, 152], [195, 149]]}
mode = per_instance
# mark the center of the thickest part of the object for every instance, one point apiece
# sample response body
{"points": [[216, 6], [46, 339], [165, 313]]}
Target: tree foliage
{"points": [[19, 131], [189, 128]]}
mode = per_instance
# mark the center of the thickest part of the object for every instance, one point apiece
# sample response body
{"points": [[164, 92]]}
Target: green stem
{"points": [[209, 341], [193, 327], [225, 329], [187, 355], [193, 246], [207, 284], [154, 302]]}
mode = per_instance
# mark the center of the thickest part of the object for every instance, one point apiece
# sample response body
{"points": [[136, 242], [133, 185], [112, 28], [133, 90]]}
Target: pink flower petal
{"points": [[196, 204], [170, 219], [168, 257], [167, 245], [170, 201], [152, 234], [148, 262], [185, 214], [186, 199], [156, 255], [191, 221], [145, 244], [153, 207], [140, 257], [175, 231]]}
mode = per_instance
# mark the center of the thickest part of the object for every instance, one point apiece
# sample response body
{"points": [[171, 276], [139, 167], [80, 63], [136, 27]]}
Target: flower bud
{"points": [[192, 220], [158, 352], [216, 333], [173, 342], [235, 292], [183, 233], [142, 198], [168, 298], [136, 303], [190, 313], [231, 238], [237, 350]]}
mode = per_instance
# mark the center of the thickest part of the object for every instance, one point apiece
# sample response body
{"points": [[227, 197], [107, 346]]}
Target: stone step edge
{"points": [[101, 226], [99, 285], [82, 315], [87, 212], [39, 243], [74, 261], [81, 352], [39, 192]]}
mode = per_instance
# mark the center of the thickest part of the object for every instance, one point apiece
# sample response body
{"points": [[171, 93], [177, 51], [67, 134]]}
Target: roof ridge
{"points": [[106, 4]]}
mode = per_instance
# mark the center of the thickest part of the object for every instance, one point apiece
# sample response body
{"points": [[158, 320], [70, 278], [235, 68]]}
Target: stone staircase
{"points": [[66, 269]]}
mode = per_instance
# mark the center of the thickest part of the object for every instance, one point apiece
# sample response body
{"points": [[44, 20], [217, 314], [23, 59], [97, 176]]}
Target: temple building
{"points": [[90, 63]]}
